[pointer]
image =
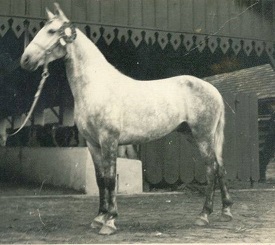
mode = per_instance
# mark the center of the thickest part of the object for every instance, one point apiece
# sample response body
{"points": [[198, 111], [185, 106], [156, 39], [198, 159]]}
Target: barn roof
{"points": [[259, 79]]}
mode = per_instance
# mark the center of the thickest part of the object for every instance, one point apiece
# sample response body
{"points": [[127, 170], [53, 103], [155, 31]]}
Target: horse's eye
{"points": [[51, 31]]}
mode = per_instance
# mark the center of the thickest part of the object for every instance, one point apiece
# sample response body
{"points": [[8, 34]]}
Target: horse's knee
{"points": [[227, 202]]}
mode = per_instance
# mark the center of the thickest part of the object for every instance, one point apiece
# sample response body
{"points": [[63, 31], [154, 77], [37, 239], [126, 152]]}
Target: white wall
{"points": [[68, 167]]}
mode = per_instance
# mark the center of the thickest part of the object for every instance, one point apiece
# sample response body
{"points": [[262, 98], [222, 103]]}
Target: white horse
{"points": [[112, 109]]}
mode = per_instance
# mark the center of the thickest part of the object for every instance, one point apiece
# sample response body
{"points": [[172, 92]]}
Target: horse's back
{"points": [[184, 91], [151, 109], [179, 85]]}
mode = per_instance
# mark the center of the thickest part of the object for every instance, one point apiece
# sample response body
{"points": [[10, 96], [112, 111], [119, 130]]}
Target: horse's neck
{"points": [[83, 57]]}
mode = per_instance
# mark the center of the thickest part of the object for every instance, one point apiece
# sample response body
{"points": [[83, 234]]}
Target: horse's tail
{"points": [[219, 138]]}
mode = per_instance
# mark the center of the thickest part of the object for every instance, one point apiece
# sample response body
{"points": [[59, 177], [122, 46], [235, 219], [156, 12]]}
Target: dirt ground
{"points": [[41, 217]]}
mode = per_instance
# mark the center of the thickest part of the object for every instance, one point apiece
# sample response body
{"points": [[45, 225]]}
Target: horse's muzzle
{"points": [[26, 63]]}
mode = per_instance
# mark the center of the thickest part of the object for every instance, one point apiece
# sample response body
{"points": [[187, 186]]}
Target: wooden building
{"points": [[258, 80], [145, 39]]}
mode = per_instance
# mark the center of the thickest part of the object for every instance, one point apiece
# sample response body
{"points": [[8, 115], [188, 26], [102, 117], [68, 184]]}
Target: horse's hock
{"points": [[66, 167]]}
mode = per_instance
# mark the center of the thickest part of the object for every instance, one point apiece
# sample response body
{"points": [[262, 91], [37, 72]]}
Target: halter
{"points": [[67, 34]]}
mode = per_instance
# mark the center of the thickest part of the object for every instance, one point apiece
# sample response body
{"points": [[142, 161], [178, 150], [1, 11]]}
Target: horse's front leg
{"points": [[100, 219], [109, 148], [104, 158]]}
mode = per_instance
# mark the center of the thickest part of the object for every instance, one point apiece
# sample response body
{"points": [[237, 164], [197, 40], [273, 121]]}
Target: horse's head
{"points": [[50, 42]]}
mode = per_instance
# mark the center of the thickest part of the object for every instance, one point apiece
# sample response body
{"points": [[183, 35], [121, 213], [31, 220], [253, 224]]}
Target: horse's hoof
{"points": [[226, 218], [108, 228], [98, 222], [96, 225], [226, 215], [202, 221]]}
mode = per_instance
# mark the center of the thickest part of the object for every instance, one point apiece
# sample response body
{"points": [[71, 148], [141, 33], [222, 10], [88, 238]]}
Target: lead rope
{"points": [[44, 77], [67, 36]]}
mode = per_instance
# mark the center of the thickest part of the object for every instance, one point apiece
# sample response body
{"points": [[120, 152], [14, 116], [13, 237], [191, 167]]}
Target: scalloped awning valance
{"points": [[190, 41]]}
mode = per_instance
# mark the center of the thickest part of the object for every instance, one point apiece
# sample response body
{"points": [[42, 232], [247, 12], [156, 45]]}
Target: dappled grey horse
{"points": [[112, 109]]}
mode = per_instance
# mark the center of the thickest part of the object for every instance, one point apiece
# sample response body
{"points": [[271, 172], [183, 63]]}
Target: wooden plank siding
{"points": [[174, 158], [152, 160], [212, 21], [135, 13], [242, 123], [207, 17], [187, 165], [254, 137], [171, 158], [174, 15], [93, 11], [229, 150], [187, 21], [199, 16], [17, 8]]}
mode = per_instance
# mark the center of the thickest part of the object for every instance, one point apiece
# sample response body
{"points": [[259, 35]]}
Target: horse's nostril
{"points": [[26, 59]]}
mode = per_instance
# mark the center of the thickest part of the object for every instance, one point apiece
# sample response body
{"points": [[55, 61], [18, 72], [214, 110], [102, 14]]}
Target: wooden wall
{"points": [[230, 18], [173, 158]]}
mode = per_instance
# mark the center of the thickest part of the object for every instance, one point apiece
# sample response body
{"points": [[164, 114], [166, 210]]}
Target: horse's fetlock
{"points": [[102, 212], [227, 203], [208, 209], [112, 214]]}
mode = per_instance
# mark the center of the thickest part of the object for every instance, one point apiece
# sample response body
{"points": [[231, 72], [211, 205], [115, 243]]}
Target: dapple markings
{"points": [[112, 109]]}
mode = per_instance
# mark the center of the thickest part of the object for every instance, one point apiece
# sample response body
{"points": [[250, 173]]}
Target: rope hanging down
{"points": [[67, 33], [44, 76]]}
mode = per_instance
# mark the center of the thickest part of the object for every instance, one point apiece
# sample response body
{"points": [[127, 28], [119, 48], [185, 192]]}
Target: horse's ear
{"points": [[58, 11], [49, 14]]}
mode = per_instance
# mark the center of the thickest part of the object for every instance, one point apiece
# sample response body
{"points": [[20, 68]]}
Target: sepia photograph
{"points": [[137, 121]]}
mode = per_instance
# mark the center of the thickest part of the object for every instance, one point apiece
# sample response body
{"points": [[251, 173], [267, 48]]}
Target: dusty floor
{"points": [[148, 218]]}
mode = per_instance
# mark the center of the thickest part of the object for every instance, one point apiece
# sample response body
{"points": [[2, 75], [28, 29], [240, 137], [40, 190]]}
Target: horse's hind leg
{"points": [[208, 156], [226, 199], [214, 171]]}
